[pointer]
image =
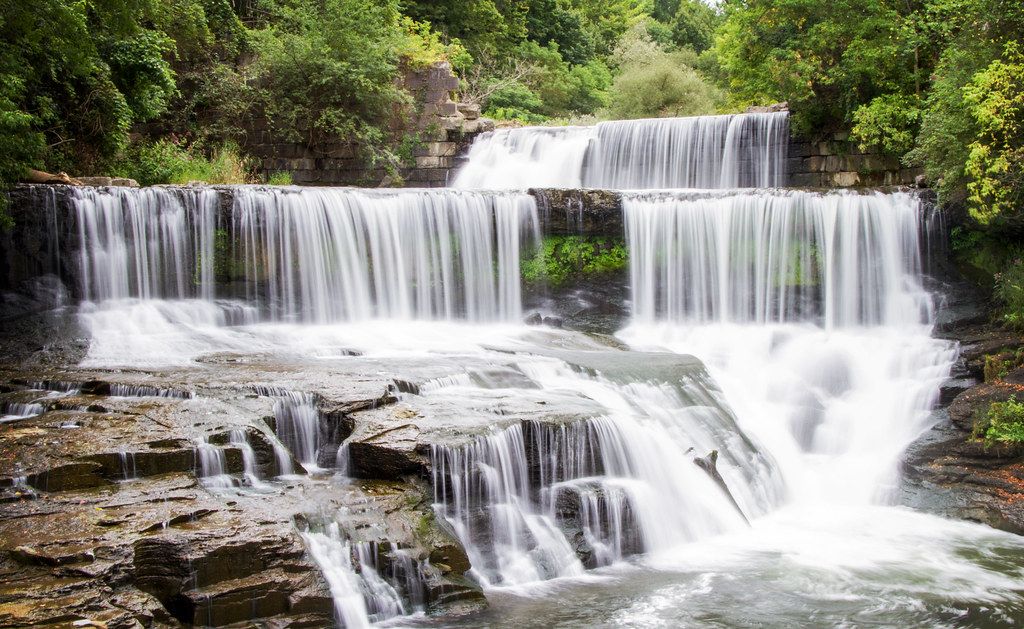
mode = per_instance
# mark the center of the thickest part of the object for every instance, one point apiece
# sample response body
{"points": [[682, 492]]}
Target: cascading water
{"points": [[161, 266], [362, 596], [529, 501], [333, 255], [808, 309], [836, 260], [734, 151], [761, 488], [298, 428]]}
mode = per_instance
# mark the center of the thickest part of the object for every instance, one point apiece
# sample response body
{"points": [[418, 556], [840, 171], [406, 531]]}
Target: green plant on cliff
{"points": [[167, 161], [561, 259], [1009, 290], [1003, 422]]}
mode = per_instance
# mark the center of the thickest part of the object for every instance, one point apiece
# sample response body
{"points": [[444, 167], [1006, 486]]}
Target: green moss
{"points": [[425, 525], [562, 259]]}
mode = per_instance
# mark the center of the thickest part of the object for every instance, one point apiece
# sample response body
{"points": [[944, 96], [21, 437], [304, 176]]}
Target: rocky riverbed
{"points": [[949, 470]]}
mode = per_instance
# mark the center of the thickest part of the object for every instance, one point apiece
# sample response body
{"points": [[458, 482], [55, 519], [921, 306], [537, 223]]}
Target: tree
{"points": [[654, 82], [814, 55]]}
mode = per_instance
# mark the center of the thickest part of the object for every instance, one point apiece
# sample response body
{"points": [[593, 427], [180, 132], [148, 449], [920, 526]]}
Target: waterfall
{"points": [[362, 594], [836, 259], [141, 243], [335, 254], [298, 427], [532, 500], [733, 151], [310, 255], [212, 465], [809, 310]]}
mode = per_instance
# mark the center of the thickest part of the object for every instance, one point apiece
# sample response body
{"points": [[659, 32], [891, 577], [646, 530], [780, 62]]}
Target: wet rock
{"points": [[404, 386], [580, 211], [554, 322], [68, 477], [384, 461], [161, 567], [534, 319]]}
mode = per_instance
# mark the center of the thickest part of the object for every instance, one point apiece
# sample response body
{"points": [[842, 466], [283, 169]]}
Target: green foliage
{"points": [[995, 164], [422, 47], [1009, 290], [815, 55], [515, 101], [888, 122], [561, 259], [1004, 422], [558, 22], [164, 161], [693, 25], [998, 366], [327, 69], [280, 178], [484, 26], [75, 77], [654, 82]]}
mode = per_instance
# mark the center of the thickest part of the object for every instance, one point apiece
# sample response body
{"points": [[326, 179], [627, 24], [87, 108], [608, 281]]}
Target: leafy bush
{"points": [[560, 259], [662, 87], [1009, 289], [888, 122], [1004, 422], [995, 164], [166, 162], [327, 70], [653, 82], [816, 55], [280, 178], [422, 47]]}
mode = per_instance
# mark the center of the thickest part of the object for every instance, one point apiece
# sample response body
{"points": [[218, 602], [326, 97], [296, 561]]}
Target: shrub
{"points": [[563, 258], [995, 164], [1004, 422], [888, 122], [1009, 289], [662, 87], [653, 82], [164, 161], [280, 178]]}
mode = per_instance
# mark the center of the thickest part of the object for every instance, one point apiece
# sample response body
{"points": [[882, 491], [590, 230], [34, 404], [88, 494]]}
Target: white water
{"points": [[334, 254], [298, 428], [361, 596], [211, 465], [622, 468], [733, 151], [150, 261], [807, 309], [753, 257]]}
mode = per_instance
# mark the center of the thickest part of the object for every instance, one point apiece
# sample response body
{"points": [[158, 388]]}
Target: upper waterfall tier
{"points": [[774, 256], [313, 254], [734, 151]]}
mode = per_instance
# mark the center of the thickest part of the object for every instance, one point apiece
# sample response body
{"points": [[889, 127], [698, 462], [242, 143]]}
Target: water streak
{"points": [[733, 151]]}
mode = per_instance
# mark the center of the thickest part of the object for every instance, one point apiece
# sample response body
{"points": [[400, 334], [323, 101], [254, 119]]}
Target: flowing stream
{"points": [[731, 459]]}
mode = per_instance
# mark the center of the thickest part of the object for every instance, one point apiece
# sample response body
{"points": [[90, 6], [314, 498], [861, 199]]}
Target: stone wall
{"points": [[438, 129], [837, 161]]}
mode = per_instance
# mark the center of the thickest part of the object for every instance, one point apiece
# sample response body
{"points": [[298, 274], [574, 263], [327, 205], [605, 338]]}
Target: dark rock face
{"points": [[572, 212], [954, 474]]}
